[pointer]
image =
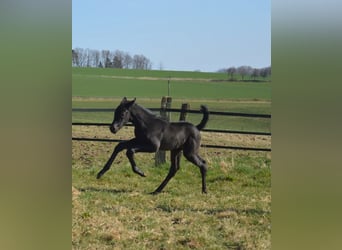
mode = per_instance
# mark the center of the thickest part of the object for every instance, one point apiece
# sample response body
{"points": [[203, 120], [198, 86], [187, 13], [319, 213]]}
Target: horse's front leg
{"points": [[135, 148], [121, 146]]}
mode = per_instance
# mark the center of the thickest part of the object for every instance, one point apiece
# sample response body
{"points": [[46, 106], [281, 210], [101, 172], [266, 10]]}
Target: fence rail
{"points": [[203, 145], [178, 110], [99, 124]]}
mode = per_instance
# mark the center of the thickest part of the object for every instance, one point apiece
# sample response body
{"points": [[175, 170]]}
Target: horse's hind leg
{"points": [[191, 154], [175, 159], [198, 161], [204, 168]]}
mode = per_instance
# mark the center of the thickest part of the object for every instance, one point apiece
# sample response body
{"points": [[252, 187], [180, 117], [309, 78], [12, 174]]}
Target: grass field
{"points": [[194, 85], [117, 212], [152, 73]]}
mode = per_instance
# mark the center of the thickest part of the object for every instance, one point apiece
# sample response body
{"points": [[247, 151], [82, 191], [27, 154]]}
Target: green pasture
{"points": [[254, 107], [147, 73], [157, 73], [111, 87], [119, 83]]}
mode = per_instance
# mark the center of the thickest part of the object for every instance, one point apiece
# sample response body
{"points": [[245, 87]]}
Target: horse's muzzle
{"points": [[113, 129]]}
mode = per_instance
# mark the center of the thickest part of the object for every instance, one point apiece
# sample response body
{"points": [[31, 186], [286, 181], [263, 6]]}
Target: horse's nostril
{"points": [[112, 129]]}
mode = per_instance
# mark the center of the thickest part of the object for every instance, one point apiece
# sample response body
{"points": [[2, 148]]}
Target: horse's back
{"points": [[176, 134]]}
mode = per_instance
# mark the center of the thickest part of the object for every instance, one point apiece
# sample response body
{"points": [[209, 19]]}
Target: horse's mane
{"points": [[145, 110]]}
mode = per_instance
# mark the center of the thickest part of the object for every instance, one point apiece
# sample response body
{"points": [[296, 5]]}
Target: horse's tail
{"points": [[205, 118]]}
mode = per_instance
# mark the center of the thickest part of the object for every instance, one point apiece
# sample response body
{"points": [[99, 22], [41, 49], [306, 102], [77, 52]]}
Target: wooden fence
{"points": [[183, 111]]}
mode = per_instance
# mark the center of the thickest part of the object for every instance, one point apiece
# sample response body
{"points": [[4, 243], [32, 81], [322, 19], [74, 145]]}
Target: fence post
{"points": [[165, 104], [168, 106], [183, 113], [163, 107]]}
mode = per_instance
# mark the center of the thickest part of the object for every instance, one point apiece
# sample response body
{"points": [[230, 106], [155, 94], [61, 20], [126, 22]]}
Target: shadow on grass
{"points": [[220, 178], [248, 211], [104, 190]]}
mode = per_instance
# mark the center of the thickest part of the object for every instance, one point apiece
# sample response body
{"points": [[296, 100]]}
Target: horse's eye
{"points": [[123, 114]]}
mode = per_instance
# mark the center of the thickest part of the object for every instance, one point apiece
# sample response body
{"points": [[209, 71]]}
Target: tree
{"points": [[265, 72], [141, 62], [244, 71], [81, 57], [231, 71], [108, 59], [118, 59], [269, 71], [255, 73], [75, 61], [108, 63], [117, 62], [127, 60], [96, 58], [105, 58], [87, 55]]}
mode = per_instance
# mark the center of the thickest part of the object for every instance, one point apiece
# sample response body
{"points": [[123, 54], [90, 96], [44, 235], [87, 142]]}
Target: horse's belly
{"points": [[170, 143]]}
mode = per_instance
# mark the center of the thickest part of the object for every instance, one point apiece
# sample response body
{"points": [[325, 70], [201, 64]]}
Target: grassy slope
{"points": [[154, 73], [112, 83]]}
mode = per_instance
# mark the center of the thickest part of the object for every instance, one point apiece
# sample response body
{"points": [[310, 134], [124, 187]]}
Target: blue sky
{"points": [[204, 35]]}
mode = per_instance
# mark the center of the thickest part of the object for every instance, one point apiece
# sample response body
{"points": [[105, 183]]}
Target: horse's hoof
{"points": [[138, 171]]}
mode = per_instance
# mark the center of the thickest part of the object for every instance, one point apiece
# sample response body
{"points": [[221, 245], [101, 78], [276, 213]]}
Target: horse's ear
{"points": [[130, 103], [124, 100]]}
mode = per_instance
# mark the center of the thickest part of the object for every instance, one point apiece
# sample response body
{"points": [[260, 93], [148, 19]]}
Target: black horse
{"points": [[152, 134]]}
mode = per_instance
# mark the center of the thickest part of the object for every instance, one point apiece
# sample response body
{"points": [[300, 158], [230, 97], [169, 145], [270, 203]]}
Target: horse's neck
{"points": [[140, 116]]}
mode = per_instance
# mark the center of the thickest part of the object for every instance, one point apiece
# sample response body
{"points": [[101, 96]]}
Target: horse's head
{"points": [[122, 115]]}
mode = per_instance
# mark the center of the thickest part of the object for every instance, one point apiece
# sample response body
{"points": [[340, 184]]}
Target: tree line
{"points": [[108, 59], [246, 71], [123, 60]]}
